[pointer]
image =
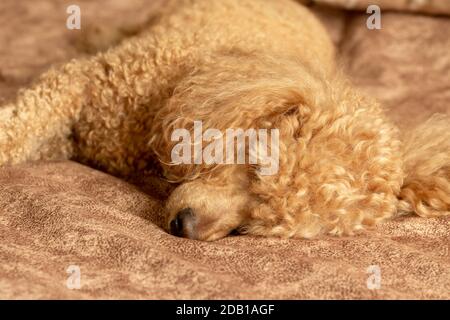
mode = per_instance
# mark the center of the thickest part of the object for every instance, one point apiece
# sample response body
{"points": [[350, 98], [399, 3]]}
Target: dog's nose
{"points": [[177, 225]]}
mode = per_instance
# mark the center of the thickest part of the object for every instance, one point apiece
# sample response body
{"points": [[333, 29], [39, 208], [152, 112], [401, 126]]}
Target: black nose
{"points": [[177, 224]]}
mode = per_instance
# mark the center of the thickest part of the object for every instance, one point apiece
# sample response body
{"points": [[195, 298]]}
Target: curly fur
{"points": [[236, 64]]}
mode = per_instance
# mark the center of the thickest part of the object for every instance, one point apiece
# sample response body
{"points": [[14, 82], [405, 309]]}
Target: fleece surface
{"points": [[54, 215]]}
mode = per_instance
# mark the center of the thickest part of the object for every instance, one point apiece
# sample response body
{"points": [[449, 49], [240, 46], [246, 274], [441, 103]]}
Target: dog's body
{"points": [[235, 64]]}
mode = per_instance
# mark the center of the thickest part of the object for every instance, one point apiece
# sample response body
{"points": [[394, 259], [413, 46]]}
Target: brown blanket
{"points": [[60, 215]]}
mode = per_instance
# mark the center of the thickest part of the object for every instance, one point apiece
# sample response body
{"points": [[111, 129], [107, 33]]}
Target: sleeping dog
{"points": [[267, 65]]}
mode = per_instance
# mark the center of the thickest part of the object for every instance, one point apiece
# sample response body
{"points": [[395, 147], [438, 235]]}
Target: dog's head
{"points": [[315, 123], [223, 110]]}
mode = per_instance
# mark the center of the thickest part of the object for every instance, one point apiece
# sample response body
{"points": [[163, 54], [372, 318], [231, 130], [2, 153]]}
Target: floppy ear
{"points": [[339, 168]]}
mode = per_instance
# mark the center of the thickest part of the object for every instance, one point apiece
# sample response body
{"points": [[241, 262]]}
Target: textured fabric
{"points": [[57, 214], [54, 215]]}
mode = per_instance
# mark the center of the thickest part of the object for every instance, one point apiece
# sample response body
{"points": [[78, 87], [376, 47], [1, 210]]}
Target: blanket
{"points": [[68, 231]]}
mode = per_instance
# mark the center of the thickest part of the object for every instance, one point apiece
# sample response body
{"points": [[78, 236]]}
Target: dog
{"points": [[343, 166]]}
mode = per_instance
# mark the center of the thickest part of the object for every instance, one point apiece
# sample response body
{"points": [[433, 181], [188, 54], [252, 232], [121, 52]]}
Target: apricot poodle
{"points": [[343, 166]]}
